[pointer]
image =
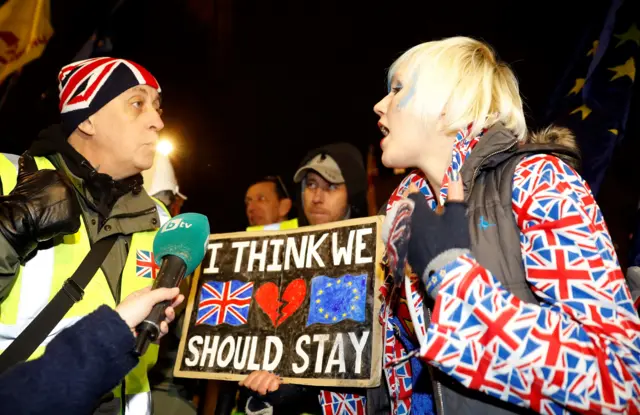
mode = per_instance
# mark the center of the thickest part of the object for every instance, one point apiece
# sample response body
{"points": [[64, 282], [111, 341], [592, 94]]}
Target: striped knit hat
{"points": [[88, 85]]}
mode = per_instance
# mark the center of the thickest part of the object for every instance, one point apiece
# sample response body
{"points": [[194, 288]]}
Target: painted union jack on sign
{"points": [[146, 266], [224, 302]]}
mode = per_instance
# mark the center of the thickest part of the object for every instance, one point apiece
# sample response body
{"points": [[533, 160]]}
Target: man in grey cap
{"points": [[334, 184]]}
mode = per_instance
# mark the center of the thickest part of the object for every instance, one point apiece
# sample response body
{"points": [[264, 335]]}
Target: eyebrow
{"points": [[143, 91]]}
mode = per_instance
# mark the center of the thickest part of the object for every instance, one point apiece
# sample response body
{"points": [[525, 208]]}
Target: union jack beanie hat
{"points": [[88, 85]]}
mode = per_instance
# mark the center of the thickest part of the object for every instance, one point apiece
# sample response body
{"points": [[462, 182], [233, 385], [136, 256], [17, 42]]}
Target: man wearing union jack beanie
{"points": [[93, 160]]}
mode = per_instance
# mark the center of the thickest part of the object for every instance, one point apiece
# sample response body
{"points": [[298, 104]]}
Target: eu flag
{"points": [[337, 299], [594, 98]]}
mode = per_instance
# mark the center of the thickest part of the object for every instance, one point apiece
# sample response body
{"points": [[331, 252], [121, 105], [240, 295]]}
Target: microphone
{"points": [[178, 247]]}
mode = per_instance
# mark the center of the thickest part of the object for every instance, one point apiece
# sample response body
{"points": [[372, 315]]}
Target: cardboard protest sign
{"points": [[302, 303]]}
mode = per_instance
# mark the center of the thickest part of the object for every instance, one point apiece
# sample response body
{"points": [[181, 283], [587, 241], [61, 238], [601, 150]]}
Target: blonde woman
{"points": [[517, 301]]}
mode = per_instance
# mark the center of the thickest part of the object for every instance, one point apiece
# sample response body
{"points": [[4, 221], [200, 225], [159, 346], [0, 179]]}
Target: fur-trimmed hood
{"points": [[560, 136]]}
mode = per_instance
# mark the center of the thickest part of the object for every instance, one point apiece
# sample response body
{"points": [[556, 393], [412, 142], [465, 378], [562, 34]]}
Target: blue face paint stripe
{"points": [[410, 93]]}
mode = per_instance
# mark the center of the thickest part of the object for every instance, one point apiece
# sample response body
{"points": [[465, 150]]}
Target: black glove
{"points": [[42, 205], [434, 240]]}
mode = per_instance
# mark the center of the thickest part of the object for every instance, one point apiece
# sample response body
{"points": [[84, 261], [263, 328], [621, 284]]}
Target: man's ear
{"points": [[87, 127], [284, 207]]}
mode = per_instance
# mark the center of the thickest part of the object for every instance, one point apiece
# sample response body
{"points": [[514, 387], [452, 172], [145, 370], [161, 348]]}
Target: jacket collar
{"points": [[99, 188], [496, 145]]}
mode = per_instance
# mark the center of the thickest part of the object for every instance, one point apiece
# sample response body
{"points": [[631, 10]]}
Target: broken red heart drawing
{"points": [[267, 297]]}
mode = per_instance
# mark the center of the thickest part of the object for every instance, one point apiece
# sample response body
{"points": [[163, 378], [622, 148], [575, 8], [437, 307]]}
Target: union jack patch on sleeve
{"points": [[146, 266]]}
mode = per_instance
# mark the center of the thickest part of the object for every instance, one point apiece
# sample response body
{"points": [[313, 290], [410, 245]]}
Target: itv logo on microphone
{"points": [[174, 224]]}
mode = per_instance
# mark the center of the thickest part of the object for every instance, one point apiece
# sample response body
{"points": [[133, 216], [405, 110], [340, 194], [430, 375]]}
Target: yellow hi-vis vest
{"points": [[42, 277], [280, 226]]}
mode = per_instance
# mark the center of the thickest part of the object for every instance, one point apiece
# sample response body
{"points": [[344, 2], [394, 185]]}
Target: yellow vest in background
{"points": [[280, 226]]}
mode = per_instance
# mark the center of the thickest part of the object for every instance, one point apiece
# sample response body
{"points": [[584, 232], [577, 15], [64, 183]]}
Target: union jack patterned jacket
{"points": [[578, 350]]}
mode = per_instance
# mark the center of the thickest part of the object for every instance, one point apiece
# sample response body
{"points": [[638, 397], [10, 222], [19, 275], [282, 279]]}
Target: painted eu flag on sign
{"points": [[337, 299]]}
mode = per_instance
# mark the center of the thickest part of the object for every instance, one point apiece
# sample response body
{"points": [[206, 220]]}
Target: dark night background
{"points": [[250, 86]]}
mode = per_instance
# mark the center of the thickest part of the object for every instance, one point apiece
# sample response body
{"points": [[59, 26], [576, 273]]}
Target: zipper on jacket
{"points": [[440, 398], [477, 170], [438, 389]]}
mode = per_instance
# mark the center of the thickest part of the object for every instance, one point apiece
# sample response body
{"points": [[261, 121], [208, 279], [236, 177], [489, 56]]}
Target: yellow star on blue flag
{"points": [[631, 35], [626, 69]]}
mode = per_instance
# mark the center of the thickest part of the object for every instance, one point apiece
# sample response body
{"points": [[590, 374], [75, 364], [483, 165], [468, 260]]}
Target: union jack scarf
{"points": [[396, 358]]}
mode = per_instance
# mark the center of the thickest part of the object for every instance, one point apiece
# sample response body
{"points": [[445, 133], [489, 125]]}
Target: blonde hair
{"points": [[461, 78]]}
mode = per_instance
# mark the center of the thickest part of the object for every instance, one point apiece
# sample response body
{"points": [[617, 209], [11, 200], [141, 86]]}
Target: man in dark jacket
{"points": [[85, 360]]}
